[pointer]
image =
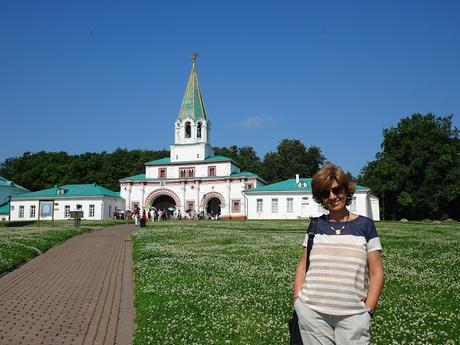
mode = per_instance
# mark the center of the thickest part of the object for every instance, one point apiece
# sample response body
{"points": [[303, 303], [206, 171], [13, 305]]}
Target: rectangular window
{"points": [[290, 204], [260, 205], [274, 205], [32, 211], [191, 172], [91, 210], [236, 206], [211, 171], [191, 205], [67, 211], [162, 173], [353, 204], [183, 172], [21, 211]]}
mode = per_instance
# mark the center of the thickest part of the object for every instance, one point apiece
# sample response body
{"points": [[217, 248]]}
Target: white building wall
{"points": [[302, 208], [374, 207], [191, 190], [101, 208], [190, 152], [201, 170]]}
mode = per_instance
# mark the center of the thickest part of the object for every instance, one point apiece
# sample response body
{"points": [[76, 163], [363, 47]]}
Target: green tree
{"points": [[245, 156], [418, 169], [291, 158]]}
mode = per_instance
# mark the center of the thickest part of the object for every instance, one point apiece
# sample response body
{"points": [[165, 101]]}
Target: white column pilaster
{"points": [[128, 206], [197, 197], [182, 187], [228, 197]]}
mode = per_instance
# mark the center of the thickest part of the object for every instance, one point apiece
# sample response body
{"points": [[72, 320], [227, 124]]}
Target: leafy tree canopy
{"points": [[291, 158], [418, 169]]}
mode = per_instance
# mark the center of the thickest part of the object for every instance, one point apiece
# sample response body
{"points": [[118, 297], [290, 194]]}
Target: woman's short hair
{"points": [[323, 180]]}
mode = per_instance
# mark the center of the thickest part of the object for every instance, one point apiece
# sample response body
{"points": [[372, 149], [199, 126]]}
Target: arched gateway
{"points": [[163, 199], [213, 202]]}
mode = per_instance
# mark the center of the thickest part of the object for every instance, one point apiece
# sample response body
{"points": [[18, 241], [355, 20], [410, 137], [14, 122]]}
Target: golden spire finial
{"points": [[194, 56]]}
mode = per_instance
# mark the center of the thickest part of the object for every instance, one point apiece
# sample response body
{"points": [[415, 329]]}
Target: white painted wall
{"points": [[229, 189], [374, 207], [102, 205], [201, 170], [191, 152], [304, 206]]}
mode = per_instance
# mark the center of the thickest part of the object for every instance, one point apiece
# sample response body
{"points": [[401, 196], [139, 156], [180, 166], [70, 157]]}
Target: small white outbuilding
{"points": [[293, 199], [56, 203]]}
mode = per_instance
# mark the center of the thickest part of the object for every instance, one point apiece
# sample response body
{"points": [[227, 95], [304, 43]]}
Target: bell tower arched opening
{"points": [[198, 130], [188, 129]]}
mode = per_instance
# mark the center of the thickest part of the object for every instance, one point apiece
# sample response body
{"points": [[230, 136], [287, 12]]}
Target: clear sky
{"points": [[82, 76]]}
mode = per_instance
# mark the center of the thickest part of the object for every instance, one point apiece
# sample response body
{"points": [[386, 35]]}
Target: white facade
{"points": [[276, 205], [94, 208], [192, 193]]}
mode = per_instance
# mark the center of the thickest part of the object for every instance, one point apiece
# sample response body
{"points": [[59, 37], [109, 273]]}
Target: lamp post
{"points": [[383, 206], [9, 208]]}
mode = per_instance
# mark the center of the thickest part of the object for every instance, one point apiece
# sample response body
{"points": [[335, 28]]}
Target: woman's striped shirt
{"points": [[337, 279]]}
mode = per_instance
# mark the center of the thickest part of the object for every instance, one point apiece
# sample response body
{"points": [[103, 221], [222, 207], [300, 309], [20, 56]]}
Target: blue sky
{"points": [[96, 75]]}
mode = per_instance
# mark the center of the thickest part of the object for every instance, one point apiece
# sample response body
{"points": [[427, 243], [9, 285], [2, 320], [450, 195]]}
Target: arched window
{"points": [[188, 130], [198, 130]]}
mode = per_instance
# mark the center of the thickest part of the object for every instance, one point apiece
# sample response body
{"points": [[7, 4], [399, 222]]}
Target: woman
{"points": [[336, 299]]}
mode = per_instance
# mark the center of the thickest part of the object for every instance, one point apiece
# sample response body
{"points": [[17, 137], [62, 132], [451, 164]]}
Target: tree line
{"points": [[416, 175]]}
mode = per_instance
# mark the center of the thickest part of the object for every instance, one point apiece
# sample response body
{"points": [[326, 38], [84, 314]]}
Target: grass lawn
{"points": [[20, 242], [230, 282]]}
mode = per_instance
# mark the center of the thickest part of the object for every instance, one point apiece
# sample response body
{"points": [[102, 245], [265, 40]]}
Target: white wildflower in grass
{"points": [[20, 243], [231, 282]]}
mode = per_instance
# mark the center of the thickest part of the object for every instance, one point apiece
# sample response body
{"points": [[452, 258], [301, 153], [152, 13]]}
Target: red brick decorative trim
{"points": [[233, 218], [159, 192], [210, 195]]}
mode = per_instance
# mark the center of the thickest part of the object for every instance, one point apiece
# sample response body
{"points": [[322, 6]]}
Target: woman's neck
{"points": [[339, 215]]}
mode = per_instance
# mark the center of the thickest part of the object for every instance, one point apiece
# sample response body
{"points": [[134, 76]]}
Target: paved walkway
{"points": [[79, 292]]}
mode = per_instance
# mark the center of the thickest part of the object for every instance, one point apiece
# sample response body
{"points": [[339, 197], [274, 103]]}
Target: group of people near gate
{"points": [[141, 217]]}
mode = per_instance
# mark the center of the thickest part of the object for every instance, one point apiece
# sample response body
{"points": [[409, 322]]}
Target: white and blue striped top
{"points": [[337, 279]]}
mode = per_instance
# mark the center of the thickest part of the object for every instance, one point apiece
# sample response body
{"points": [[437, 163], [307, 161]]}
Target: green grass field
{"points": [[21, 241], [230, 282]]}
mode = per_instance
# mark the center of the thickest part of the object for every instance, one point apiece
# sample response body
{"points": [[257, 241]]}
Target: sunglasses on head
{"points": [[336, 191]]}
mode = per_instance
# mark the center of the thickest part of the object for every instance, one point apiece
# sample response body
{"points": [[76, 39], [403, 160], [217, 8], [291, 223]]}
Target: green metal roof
{"points": [[289, 185], [5, 208], [192, 104], [167, 161], [70, 190], [8, 188]]}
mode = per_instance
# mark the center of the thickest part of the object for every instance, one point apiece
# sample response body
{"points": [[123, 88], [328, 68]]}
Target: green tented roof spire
{"points": [[192, 104]]}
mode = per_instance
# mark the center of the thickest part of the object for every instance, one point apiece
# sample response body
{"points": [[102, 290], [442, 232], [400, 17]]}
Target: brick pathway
{"points": [[79, 292]]}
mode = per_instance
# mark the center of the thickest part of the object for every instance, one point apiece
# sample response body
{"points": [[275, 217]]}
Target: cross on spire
{"points": [[194, 57]]}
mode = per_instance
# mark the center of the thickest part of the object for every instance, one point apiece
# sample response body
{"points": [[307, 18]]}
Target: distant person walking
{"points": [[335, 300], [160, 215]]}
